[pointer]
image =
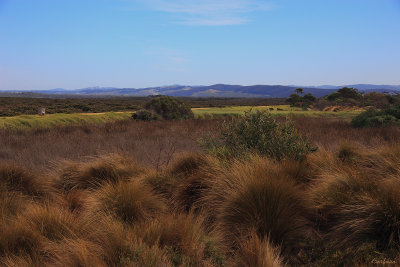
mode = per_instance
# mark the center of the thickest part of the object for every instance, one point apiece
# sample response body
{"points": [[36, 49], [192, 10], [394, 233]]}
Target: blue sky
{"points": [[71, 44]]}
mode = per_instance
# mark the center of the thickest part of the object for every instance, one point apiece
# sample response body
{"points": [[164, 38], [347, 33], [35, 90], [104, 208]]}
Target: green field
{"points": [[286, 110], [52, 120]]}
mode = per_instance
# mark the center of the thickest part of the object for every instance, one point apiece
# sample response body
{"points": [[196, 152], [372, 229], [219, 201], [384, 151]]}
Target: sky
{"points": [[46, 44]]}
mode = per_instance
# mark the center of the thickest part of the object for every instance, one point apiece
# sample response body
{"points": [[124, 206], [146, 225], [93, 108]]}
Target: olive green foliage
{"points": [[145, 115], [259, 132], [169, 108], [376, 118], [344, 94], [295, 100], [378, 100]]}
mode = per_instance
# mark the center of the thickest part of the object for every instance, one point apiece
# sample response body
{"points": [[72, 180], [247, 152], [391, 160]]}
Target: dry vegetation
{"points": [[135, 193]]}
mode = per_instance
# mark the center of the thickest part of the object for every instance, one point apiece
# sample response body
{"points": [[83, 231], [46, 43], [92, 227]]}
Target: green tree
{"points": [[344, 94], [299, 91], [294, 100]]}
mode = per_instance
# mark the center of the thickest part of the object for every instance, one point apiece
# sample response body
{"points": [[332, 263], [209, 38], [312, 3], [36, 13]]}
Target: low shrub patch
{"points": [[259, 132], [377, 118]]}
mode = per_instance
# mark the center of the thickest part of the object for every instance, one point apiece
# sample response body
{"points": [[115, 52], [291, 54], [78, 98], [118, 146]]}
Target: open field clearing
{"points": [[23, 122], [52, 120], [284, 110]]}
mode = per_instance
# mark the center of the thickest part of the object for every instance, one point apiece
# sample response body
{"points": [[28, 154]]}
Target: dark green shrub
{"points": [[294, 100], [344, 94], [260, 133], [376, 118], [145, 115], [361, 119], [384, 120], [169, 108]]}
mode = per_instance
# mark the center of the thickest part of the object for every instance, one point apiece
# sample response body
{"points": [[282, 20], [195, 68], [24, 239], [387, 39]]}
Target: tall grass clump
{"points": [[75, 252], [120, 246], [18, 240], [50, 221], [259, 132], [184, 239], [338, 186], [258, 253], [17, 179], [371, 218], [92, 174], [249, 196], [192, 174], [128, 201]]}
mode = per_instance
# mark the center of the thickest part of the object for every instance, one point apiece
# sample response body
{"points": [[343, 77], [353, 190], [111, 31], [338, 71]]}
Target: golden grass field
{"points": [[52, 120], [277, 110]]}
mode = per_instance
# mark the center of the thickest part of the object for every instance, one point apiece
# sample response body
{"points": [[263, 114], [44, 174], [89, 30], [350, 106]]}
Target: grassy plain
{"points": [[277, 110], [24, 122]]}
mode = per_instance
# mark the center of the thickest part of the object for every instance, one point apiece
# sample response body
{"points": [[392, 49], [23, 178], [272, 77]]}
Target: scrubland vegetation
{"points": [[136, 193], [256, 190], [14, 106]]}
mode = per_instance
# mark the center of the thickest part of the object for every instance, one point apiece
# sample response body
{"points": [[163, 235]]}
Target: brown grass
{"points": [[130, 202], [144, 194], [91, 175], [251, 196], [257, 252]]}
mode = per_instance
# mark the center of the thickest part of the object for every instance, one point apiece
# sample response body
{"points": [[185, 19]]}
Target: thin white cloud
{"points": [[166, 59], [207, 12]]}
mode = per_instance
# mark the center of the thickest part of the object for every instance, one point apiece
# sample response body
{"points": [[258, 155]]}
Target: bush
{"points": [[169, 108], [145, 115], [375, 118], [377, 100], [260, 133]]}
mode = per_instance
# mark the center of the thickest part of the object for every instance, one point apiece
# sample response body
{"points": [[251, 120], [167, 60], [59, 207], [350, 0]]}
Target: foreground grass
{"points": [[51, 120], [277, 110], [338, 208]]}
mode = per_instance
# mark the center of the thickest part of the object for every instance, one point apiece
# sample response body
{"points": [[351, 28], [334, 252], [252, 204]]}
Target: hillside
{"points": [[217, 90]]}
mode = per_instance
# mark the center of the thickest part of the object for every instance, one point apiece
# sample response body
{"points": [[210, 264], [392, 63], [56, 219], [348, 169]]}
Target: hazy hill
{"points": [[217, 90]]}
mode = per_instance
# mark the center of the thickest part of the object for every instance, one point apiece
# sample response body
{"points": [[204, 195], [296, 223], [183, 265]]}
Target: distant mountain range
{"points": [[217, 90]]}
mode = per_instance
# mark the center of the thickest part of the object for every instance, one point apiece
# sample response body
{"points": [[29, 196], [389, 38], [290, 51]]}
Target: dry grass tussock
{"points": [[252, 195], [257, 252], [92, 174], [339, 206], [131, 202]]}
